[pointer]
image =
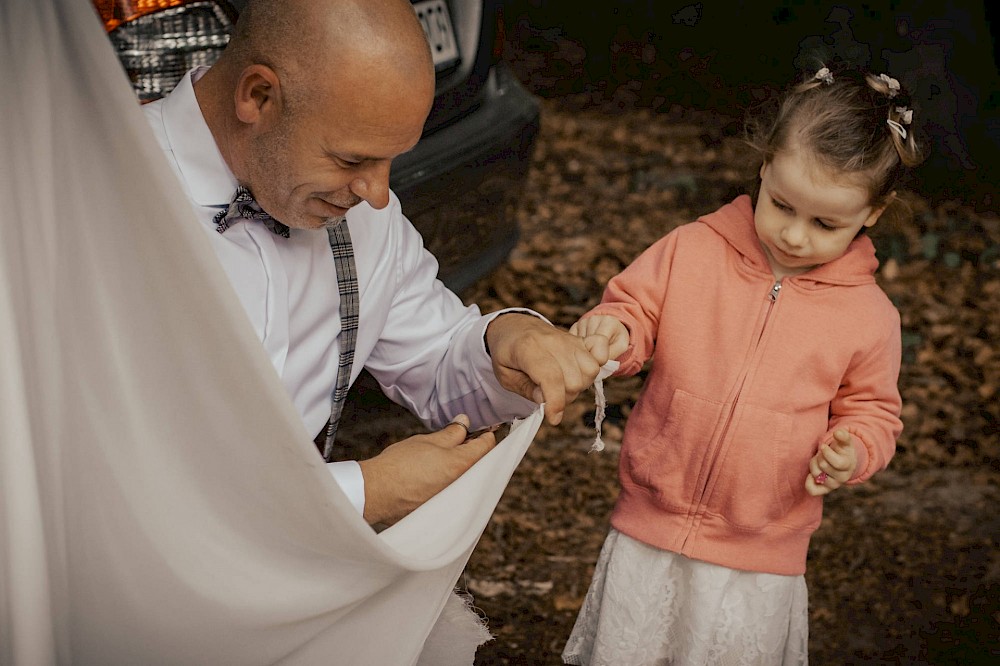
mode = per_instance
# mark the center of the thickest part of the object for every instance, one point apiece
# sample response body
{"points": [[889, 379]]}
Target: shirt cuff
{"points": [[348, 476], [493, 315]]}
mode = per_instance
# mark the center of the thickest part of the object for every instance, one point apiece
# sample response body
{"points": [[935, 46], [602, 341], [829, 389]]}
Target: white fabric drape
{"points": [[160, 501]]}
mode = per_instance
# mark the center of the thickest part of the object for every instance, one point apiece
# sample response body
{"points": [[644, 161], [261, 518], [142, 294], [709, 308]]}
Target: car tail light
{"points": [[158, 41]]}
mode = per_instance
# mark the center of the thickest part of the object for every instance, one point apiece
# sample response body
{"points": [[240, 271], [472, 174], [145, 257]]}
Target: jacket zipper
{"points": [[772, 297]]}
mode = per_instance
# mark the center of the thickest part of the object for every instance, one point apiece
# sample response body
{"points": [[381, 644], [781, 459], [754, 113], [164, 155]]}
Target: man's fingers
{"points": [[544, 364], [546, 383], [521, 384], [554, 396], [407, 473], [457, 430], [562, 387], [479, 446]]}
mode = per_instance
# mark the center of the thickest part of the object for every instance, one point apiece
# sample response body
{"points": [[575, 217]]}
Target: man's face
{"points": [[315, 163], [807, 215]]}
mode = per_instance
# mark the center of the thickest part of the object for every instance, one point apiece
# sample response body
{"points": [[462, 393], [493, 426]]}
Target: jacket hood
{"points": [[734, 222]]}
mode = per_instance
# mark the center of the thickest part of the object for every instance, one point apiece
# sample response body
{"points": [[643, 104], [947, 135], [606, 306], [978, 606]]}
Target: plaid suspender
{"points": [[347, 284], [244, 206]]}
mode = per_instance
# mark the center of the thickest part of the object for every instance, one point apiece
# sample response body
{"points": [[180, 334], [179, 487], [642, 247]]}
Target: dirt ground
{"points": [[905, 568]]}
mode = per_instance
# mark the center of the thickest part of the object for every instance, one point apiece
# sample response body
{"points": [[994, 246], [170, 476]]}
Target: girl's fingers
{"points": [[842, 442], [597, 345], [837, 460], [814, 488], [825, 468], [819, 472], [583, 327], [832, 458]]}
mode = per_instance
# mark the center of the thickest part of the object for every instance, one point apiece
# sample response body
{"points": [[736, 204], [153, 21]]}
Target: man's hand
{"points": [[408, 473], [833, 465], [541, 362], [603, 335]]}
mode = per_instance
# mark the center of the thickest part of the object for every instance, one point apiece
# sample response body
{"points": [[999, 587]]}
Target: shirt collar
{"points": [[205, 173]]}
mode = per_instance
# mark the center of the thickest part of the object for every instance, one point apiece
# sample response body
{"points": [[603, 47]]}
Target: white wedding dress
{"points": [[160, 500]]}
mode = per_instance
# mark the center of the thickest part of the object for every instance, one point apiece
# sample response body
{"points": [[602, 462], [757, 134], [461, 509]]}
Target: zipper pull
{"points": [[773, 295]]}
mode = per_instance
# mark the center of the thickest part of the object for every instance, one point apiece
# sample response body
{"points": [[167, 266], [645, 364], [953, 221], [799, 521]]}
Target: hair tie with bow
{"points": [[824, 75]]}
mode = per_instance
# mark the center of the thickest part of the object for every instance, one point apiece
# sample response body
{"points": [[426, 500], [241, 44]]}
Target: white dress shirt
{"points": [[415, 336]]}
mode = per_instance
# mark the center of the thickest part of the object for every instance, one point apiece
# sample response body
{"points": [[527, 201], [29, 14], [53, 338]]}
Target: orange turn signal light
{"points": [[116, 12]]}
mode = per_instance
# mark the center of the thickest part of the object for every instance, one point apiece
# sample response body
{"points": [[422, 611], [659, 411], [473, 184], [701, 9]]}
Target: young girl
{"points": [[775, 361]]}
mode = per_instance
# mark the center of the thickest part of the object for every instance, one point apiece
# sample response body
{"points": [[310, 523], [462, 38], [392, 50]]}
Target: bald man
{"points": [[306, 109]]}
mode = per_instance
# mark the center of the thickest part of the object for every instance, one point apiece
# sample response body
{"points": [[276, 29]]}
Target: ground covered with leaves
{"points": [[905, 568]]}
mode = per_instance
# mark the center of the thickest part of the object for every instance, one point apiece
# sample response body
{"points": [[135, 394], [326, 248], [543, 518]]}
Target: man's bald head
{"points": [[313, 44], [313, 99]]}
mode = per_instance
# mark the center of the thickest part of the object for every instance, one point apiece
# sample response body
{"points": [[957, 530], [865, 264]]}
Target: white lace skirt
{"points": [[648, 606]]}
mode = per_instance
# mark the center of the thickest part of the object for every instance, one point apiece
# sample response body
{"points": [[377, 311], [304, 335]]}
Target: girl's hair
{"points": [[851, 121]]}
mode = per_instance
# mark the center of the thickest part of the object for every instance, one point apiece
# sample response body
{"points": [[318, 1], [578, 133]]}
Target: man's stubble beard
{"points": [[268, 170]]}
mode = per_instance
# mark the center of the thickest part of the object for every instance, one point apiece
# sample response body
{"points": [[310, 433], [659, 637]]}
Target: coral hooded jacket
{"points": [[747, 380]]}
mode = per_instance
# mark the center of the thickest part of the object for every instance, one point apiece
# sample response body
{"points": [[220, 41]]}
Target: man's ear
{"points": [[258, 96]]}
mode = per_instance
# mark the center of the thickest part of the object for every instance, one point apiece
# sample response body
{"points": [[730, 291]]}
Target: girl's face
{"points": [[807, 214]]}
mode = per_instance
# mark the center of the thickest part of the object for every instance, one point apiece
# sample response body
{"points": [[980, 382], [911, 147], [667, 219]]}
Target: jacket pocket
{"points": [[668, 456], [761, 475]]}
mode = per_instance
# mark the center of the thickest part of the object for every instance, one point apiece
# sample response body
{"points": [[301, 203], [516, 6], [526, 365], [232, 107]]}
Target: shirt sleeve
{"points": [[429, 354], [348, 476]]}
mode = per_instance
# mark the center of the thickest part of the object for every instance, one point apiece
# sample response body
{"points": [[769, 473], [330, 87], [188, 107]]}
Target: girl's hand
{"points": [[833, 465], [603, 335]]}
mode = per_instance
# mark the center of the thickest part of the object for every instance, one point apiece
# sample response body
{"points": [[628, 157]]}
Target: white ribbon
{"points": [[601, 403], [897, 128], [892, 83]]}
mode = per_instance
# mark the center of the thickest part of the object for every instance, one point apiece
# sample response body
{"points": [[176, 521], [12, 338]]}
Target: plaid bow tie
{"points": [[245, 207]]}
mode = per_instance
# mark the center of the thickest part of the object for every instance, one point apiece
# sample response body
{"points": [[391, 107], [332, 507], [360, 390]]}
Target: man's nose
{"points": [[372, 184]]}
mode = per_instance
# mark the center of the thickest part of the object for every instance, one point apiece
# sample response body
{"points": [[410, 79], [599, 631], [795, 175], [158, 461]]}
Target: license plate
{"points": [[434, 16]]}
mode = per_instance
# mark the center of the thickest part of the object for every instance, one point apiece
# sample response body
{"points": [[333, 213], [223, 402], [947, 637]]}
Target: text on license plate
{"points": [[433, 15]]}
